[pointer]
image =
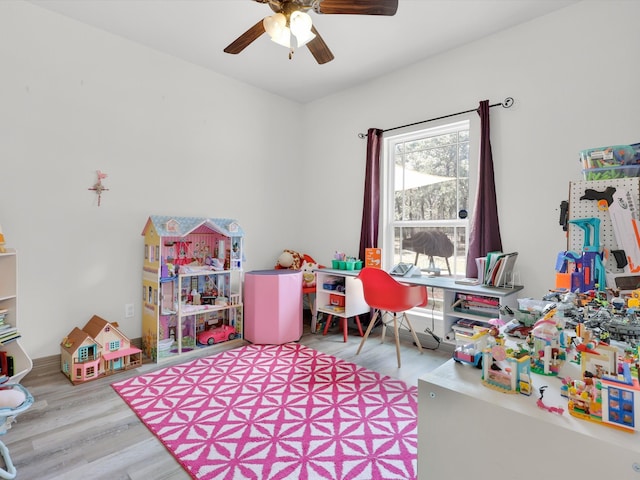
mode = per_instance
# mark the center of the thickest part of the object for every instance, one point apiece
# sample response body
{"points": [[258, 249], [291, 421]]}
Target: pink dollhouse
{"points": [[97, 350]]}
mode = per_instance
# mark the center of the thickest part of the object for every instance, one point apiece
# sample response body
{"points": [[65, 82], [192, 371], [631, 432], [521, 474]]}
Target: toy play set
{"points": [[582, 338], [96, 350], [191, 284]]}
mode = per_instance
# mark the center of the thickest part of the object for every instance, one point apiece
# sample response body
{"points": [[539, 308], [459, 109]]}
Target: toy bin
{"points": [[608, 173], [336, 300], [612, 156]]}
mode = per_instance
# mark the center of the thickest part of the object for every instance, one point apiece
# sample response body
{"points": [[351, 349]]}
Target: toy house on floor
{"points": [[97, 350], [191, 284]]}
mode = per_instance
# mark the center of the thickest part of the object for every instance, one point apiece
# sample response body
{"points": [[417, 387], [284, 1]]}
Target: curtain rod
{"points": [[507, 103]]}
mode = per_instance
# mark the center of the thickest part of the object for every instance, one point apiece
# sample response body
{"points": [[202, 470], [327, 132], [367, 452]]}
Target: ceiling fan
{"points": [[291, 25]]}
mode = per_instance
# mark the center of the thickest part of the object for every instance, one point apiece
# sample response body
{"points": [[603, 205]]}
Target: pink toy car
{"points": [[217, 335]]}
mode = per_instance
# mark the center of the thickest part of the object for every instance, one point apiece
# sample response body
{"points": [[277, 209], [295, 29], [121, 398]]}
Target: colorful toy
{"points": [[308, 274], [470, 347], [289, 259], [548, 355], [611, 401], [507, 370], [542, 405], [217, 335], [97, 350]]}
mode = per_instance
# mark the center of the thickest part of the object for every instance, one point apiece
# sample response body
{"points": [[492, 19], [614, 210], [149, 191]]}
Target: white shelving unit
{"points": [[22, 363], [346, 300], [451, 312]]}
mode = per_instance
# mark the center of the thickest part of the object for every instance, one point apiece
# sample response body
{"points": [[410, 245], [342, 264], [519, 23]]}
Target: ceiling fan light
{"points": [[300, 22], [274, 24], [305, 37], [283, 37]]}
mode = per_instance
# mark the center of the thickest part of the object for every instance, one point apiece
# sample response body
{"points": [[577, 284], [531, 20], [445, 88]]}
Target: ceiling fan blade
{"points": [[359, 7], [244, 40], [319, 49]]}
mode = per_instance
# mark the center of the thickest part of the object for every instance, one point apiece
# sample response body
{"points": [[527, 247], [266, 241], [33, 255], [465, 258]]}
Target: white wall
{"points": [[574, 78], [173, 139]]}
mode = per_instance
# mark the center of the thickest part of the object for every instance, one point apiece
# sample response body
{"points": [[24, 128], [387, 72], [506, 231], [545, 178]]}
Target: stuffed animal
{"points": [[308, 274], [289, 259]]}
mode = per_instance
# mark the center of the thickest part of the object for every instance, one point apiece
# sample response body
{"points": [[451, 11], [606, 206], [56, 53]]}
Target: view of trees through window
{"points": [[428, 188]]}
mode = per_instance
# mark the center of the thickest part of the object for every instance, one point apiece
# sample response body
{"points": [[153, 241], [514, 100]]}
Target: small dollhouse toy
{"points": [[469, 347], [507, 370], [547, 355], [607, 393], [96, 350]]}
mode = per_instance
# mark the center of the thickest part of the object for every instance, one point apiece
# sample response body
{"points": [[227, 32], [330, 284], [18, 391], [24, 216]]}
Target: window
{"points": [[425, 198], [83, 354]]}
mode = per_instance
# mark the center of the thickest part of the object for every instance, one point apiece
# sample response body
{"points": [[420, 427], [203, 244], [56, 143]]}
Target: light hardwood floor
{"points": [[87, 432]]}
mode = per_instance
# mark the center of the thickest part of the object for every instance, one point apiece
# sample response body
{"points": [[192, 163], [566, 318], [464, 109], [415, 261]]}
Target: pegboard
{"points": [[590, 209]]}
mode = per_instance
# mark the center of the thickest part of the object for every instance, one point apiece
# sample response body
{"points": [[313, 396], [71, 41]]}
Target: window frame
{"points": [[387, 193]]}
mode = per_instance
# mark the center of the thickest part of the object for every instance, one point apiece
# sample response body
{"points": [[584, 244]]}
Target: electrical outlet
{"points": [[128, 310]]}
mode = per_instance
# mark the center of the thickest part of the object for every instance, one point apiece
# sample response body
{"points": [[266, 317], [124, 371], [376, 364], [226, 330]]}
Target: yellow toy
{"points": [[2, 249], [634, 300]]}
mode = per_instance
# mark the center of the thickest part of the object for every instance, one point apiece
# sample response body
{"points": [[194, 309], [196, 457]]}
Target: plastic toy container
{"points": [[608, 173], [612, 156]]}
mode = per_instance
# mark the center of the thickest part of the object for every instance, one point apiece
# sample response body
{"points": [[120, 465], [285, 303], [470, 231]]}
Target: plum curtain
{"points": [[371, 204], [485, 228]]}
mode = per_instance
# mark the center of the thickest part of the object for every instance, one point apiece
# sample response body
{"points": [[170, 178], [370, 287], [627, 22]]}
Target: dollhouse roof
{"points": [[168, 226], [75, 340], [96, 324], [90, 331]]}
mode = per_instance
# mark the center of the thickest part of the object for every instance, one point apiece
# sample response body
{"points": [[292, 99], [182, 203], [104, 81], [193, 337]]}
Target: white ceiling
{"points": [[365, 46]]}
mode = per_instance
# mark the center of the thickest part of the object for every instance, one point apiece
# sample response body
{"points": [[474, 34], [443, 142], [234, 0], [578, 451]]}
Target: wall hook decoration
{"points": [[98, 187]]}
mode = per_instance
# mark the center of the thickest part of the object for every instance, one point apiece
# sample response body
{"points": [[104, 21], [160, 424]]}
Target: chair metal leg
{"points": [[413, 332], [366, 334]]}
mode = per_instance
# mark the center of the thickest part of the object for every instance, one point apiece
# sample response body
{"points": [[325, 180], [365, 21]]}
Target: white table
{"points": [[466, 430]]}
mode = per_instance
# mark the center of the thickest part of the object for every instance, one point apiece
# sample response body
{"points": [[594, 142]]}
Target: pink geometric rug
{"points": [[279, 412]]}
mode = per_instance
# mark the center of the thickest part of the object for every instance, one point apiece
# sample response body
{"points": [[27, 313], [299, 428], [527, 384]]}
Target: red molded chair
{"points": [[389, 298]]}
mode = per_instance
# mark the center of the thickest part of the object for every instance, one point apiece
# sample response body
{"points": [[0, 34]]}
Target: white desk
{"points": [[506, 296], [466, 430]]}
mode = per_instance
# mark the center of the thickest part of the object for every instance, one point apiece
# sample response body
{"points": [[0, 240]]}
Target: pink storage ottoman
{"points": [[273, 306]]}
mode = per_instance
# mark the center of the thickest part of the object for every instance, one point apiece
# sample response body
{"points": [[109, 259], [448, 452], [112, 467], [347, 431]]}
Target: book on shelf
{"points": [[499, 268], [466, 326], [469, 298], [482, 305], [335, 308], [8, 331], [6, 337], [467, 281]]}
